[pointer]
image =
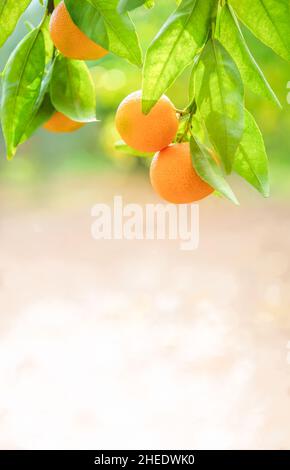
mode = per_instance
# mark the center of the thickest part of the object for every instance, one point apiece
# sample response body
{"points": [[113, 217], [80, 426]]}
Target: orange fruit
{"points": [[61, 123], [146, 133], [174, 178], [69, 39]]}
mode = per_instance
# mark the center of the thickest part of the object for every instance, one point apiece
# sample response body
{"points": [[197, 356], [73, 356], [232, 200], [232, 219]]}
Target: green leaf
{"points": [[121, 146], [269, 20], [49, 46], [175, 47], [21, 85], [231, 36], [10, 12], [43, 114], [251, 160], [72, 90], [41, 104], [127, 5], [219, 95], [209, 170], [101, 22]]}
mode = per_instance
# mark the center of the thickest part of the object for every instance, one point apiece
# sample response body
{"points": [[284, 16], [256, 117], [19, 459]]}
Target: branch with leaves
{"points": [[40, 79]]}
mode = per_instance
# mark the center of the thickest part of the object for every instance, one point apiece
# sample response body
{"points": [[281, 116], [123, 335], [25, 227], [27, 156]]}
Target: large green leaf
{"points": [[21, 86], [72, 90], [101, 22], [175, 47], [251, 160], [42, 115], [269, 20], [209, 170], [219, 95], [43, 107], [231, 36], [10, 12]]}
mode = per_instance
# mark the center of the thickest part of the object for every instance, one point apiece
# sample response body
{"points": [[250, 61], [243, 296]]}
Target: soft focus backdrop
{"points": [[138, 344]]}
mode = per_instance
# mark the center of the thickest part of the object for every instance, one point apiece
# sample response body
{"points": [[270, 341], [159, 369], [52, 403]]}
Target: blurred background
{"points": [[123, 344]]}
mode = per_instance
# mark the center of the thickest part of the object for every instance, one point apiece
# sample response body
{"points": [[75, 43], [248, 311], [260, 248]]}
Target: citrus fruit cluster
{"points": [[171, 173]]}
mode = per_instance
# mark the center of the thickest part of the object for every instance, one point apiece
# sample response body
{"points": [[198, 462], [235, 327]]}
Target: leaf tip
{"points": [[266, 192], [147, 105], [10, 156], [236, 202]]}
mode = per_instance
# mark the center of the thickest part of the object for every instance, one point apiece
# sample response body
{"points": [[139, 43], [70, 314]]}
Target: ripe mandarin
{"points": [[61, 123], [146, 133], [69, 39], [174, 178]]}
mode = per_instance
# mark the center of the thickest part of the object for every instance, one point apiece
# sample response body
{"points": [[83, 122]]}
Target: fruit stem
{"points": [[50, 6], [191, 110], [181, 112]]}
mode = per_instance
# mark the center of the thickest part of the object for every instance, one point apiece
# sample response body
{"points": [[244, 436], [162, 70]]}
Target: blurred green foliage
{"points": [[92, 148]]}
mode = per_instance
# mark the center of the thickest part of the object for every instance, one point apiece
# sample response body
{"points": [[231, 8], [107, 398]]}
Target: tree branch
{"points": [[50, 6]]}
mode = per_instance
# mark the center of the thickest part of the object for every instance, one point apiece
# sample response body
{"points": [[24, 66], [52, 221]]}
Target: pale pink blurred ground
{"points": [[138, 344]]}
